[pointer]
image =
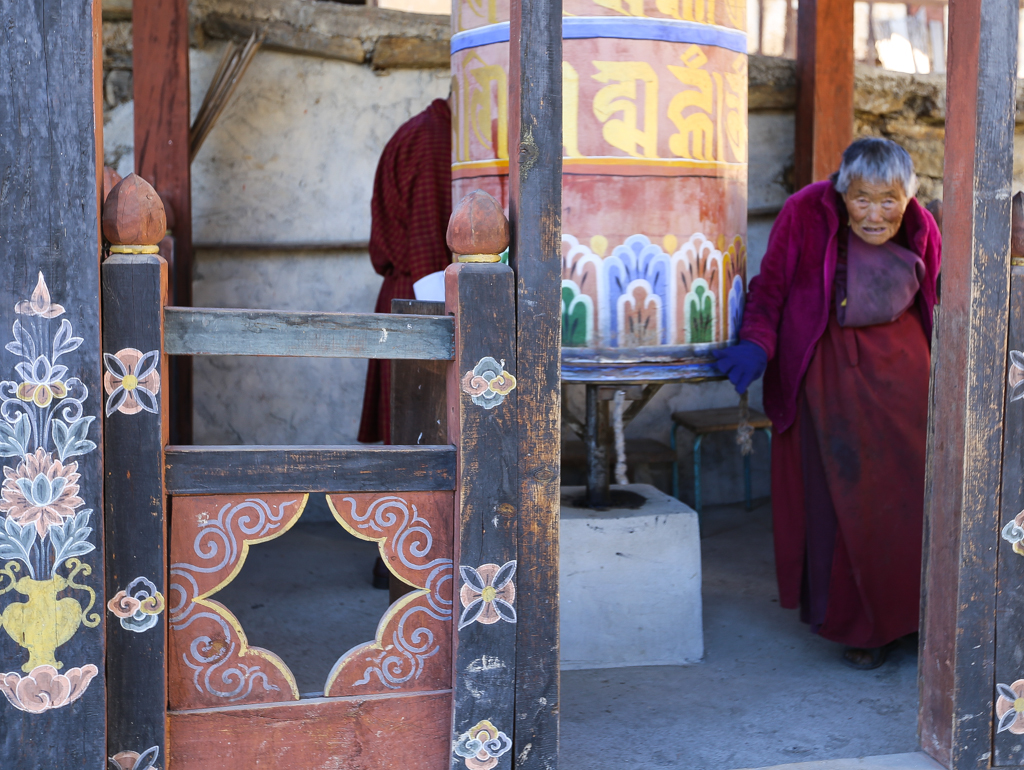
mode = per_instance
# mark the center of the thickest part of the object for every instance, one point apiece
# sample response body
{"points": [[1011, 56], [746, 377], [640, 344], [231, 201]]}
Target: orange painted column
{"points": [[654, 198]]}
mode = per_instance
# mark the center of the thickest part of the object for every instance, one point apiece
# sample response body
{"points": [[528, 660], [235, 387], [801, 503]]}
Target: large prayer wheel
{"points": [[654, 186]]}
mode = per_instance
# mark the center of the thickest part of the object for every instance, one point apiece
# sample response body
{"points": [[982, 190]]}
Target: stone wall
{"points": [[292, 160]]}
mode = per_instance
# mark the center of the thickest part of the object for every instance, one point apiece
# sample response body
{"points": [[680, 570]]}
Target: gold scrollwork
{"points": [[77, 567], [9, 569]]}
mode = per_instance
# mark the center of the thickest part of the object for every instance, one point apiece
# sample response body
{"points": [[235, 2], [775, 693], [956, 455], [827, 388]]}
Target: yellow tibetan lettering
{"points": [[702, 11], [736, 109], [570, 110], [696, 135], [479, 105], [627, 7], [620, 97], [484, 10]]}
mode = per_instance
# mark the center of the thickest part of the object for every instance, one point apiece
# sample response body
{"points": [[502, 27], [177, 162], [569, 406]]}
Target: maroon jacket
{"points": [[788, 305]]}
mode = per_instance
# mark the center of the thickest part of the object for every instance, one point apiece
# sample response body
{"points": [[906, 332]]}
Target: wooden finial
{"points": [[1017, 227], [478, 230], [134, 220]]}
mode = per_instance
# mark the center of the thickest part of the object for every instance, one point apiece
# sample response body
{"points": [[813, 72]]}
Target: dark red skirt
{"points": [[848, 484]]}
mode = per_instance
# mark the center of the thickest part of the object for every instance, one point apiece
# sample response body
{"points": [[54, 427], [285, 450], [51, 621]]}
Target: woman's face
{"points": [[876, 209]]}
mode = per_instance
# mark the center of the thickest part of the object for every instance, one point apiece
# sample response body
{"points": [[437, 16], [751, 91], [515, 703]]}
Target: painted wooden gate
{"points": [[435, 688]]}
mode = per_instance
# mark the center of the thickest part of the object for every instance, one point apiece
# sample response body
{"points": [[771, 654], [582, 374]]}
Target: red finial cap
{"points": [[134, 214]]}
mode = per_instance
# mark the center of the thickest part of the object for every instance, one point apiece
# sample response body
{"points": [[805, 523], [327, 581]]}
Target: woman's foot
{"points": [[866, 658]]}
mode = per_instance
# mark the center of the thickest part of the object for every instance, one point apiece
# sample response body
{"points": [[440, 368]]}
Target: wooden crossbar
{"points": [[225, 332], [209, 470]]}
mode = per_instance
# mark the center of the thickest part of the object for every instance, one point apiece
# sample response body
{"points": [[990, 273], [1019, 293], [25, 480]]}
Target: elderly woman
{"points": [[839, 322]]}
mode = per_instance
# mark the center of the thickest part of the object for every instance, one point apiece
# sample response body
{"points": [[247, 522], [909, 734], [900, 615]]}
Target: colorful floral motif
{"points": [[132, 760], [488, 383], [487, 594], [482, 745], [1013, 533], [1015, 377], [642, 296], [44, 526], [138, 606], [1010, 707], [132, 381]]}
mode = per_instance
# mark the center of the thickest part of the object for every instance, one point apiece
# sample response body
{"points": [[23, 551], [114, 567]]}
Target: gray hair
{"points": [[879, 161]]}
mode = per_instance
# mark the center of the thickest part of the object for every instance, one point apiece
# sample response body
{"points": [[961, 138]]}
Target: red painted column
{"points": [[160, 42], [824, 67]]}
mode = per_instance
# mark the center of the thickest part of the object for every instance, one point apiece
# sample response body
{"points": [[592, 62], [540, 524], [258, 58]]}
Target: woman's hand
{"points": [[741, 363]]}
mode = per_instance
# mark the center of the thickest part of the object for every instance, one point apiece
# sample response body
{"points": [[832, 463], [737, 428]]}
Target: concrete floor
{"points": [[768, 693]]}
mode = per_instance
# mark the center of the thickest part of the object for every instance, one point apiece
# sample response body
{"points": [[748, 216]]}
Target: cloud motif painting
{"points": [[138, 606], [488, 383], [44, 526], [482, 745]]}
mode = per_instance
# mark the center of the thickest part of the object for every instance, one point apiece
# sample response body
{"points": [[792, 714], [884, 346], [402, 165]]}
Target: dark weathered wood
{"points": [[1007, 749], [50, 183], [400, 731], [418, 401], [161, 92], [535, 208], [484, 431], [824, 110], [222, 332], [970, 376], [418, 407], [134, 291], [212, 470]]}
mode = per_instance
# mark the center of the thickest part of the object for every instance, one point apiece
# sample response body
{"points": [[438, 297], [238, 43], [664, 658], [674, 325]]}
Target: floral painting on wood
{"points": [[45, 527]]}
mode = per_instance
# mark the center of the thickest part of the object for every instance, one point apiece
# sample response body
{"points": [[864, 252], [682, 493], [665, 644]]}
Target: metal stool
{"points": [[701, 422]]}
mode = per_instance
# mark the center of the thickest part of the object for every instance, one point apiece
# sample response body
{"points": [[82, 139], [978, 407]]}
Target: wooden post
{"points": [[136, 431], [161, 86], [970, 352], [52, 691], [535, 208], [824, 108], [482, 425]]}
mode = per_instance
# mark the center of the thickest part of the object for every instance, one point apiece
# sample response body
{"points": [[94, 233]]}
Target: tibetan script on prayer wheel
{"points": [[654, 186]]}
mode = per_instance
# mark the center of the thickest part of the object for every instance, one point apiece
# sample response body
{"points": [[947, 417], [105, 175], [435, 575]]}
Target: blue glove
{"points": [[741, 363]]}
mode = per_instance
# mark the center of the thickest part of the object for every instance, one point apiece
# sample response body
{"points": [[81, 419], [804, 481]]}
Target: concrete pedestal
{"points": [[630, 583]]}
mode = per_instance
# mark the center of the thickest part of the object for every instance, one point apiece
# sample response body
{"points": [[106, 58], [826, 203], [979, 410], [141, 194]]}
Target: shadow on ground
{"points": [[768, 692]]}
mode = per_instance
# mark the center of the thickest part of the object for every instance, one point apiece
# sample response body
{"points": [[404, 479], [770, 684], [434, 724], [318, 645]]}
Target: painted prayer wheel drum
{"points": [[654, 186]]}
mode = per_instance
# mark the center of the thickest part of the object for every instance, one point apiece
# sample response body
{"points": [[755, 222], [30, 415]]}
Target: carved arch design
{"points": [[210, 662], [412, 648]]}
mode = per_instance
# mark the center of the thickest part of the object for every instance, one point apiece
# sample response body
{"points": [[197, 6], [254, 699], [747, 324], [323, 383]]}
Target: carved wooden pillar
{"points": [[136, 431]]}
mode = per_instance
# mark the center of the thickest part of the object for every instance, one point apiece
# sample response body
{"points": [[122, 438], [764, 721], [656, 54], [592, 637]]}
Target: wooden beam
{"points": [[535, 209], [824, 110], [223, 332], [161, 92], [970, 348], [51, 149], [222, 470]]}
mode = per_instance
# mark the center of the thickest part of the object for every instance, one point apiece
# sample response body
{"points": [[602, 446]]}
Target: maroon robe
{"points": [[848, 480], [411, 205]]}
